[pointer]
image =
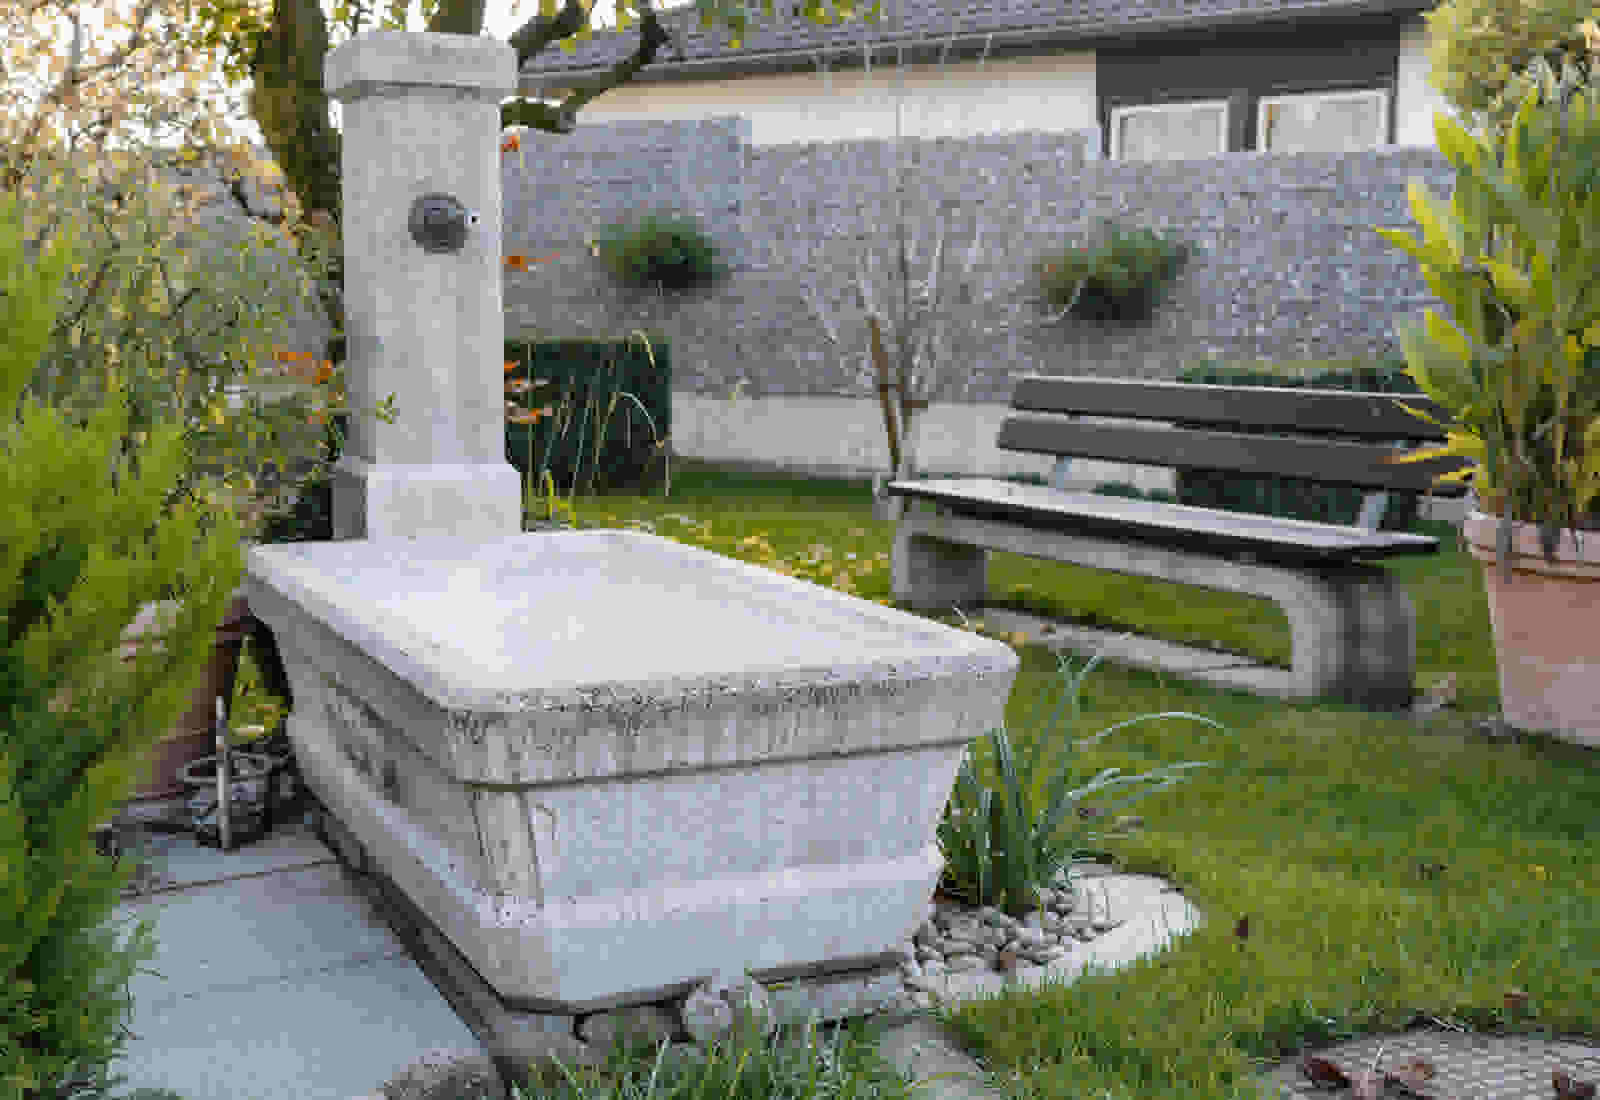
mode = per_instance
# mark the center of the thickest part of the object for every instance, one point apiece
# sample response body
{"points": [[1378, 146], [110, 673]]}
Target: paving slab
{"points": [[1466, 1065], [273, 979]]}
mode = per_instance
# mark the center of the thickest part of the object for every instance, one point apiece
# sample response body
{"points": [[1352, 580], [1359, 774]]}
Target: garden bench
{"points": [[1352, 626]]}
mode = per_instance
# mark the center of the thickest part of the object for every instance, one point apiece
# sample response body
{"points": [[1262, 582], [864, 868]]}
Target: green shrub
{"points": [[89, 535], [1125, 274], [610, 414], [1123, 489], [1294, 498], [1105, 488], [309, 515], [1027, 479], [662, 252]]}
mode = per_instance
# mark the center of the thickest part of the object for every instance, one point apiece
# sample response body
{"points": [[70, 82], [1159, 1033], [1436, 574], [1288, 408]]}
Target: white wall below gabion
{"points": [[787, 434], [844, 437]]}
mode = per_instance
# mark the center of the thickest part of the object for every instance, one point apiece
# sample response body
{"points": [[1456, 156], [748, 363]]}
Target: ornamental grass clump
{"points": [[794, 1062], [997, 850], [539, 479]]}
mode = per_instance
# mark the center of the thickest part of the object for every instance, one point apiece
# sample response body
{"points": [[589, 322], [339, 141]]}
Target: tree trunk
{"points": [[890, 508], [290, 104]]}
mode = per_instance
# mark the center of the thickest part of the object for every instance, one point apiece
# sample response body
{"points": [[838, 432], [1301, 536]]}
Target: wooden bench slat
{"points": [[1360, 464], [1204, 530], [1366, 414]]}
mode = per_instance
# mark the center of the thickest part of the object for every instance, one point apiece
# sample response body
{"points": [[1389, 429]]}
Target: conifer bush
{"points": [[89, 534]]}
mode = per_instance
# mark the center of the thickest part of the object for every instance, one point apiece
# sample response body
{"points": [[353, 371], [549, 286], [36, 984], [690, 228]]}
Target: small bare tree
{"points": [[906, 355]]}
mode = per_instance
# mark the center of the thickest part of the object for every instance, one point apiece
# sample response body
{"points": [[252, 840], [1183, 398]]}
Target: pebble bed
{"points": [[959, 938]]}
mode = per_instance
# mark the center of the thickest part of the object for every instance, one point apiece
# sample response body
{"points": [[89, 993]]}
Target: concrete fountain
{"points": [[587, 772]]}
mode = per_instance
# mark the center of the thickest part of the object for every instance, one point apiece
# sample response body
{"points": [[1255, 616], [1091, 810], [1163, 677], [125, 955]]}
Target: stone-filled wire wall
{"points": [[1289, 267]]}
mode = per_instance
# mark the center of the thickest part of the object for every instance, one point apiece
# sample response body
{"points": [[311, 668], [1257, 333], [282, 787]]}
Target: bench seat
{"points": [[1352, 626], [1204, 530]]}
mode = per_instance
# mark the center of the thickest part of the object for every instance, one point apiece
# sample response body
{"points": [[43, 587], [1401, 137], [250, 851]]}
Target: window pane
{"points": [[1171, 133], [1308, 125]]}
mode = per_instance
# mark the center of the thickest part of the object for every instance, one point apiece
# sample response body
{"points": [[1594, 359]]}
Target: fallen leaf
{"points": [[1323, 1073], [1516, 1001], [1367, 1085], [1568, 1088], [1439, 697], [1419, 1068], [1411, 1076], [1007, 962]]}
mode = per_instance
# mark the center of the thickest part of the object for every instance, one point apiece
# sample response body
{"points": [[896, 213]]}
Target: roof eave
{"points": [[961, 46]]}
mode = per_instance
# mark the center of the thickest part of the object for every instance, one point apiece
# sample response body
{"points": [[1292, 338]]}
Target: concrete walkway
{"points": [[278, 980], [275, 978]]}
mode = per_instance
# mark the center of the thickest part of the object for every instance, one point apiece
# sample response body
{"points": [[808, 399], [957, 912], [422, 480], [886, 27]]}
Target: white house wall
{"points": [[1050, 93], [1417, 100]]}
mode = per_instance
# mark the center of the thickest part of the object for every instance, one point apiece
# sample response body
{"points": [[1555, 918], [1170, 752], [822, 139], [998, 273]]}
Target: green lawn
{"points": [[1313, 823]]}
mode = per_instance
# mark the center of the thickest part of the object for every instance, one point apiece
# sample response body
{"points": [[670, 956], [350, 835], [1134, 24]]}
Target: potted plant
{"points": [[193, 736], [1516, 257]]}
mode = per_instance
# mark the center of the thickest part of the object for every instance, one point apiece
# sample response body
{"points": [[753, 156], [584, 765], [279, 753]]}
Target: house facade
{"points": [[1219, 76]]}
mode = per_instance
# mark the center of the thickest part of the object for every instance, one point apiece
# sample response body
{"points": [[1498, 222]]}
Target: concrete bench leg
{"points": [[1354, 635], [1353, 627], [927, 573]]}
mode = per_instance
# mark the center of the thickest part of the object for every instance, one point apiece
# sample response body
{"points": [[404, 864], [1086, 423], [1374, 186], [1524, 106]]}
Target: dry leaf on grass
{"points": [[1411, 1076], [1367, 1085], [1569, 1088], [1323, 1073]]}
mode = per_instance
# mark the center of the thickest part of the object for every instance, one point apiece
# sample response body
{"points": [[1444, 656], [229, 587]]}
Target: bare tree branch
{"points": [[538, 32], [920, 327]]}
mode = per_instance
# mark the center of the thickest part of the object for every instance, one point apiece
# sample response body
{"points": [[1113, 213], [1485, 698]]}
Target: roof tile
{"points": [[924, 21]]}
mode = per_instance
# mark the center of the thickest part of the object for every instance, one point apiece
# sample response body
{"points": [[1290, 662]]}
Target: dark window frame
{"points": [[1246, 66]]}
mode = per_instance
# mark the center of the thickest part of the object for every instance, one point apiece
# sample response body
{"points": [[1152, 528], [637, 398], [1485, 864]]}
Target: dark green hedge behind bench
{"points": [[1291, 498], [1287, 498]]}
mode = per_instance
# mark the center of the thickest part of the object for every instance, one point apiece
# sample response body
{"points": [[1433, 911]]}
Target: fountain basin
{"points": [[609, 766]]}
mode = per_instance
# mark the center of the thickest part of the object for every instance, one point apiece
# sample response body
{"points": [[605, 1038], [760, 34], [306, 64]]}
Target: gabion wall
{"points": [[1289, 267]]}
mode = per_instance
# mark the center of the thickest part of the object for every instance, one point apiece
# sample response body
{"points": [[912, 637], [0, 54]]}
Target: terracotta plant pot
{"points": [[193, 736], [1546, 643]]}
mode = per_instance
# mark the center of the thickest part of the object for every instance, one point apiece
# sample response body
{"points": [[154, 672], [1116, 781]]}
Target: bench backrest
{"points": [[1210, 440]]}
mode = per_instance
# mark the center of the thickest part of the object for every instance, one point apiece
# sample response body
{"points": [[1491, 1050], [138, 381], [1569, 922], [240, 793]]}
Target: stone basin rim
{"points": [[910, 649]]}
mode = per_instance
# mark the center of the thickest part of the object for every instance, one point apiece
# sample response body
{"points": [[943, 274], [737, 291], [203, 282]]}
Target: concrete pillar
{"points": [[424, 322]]}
